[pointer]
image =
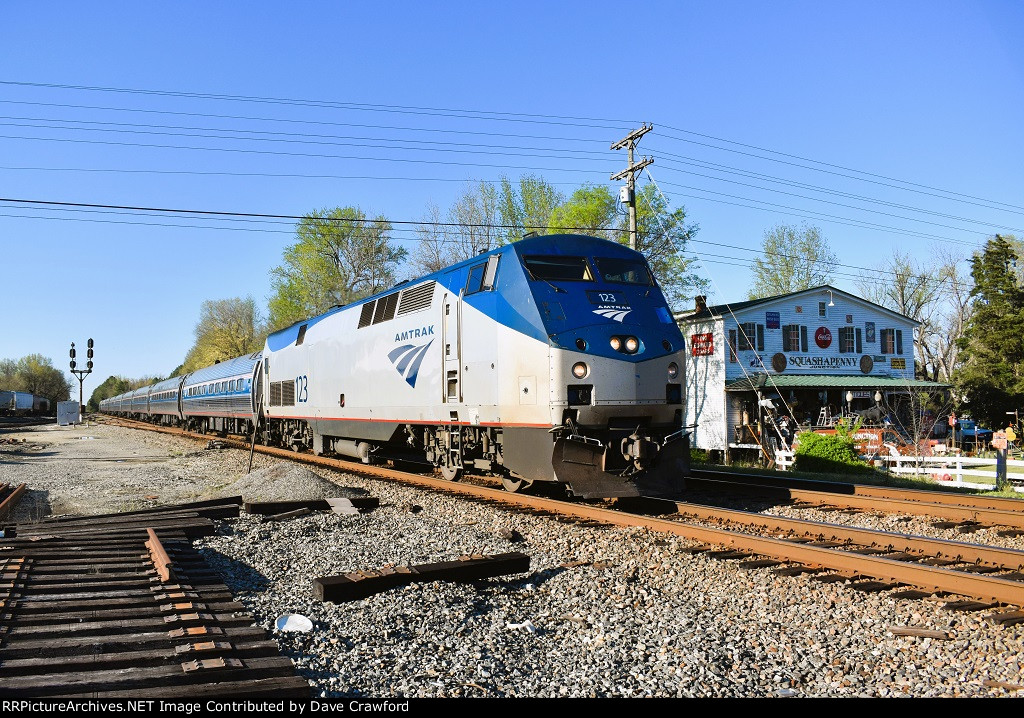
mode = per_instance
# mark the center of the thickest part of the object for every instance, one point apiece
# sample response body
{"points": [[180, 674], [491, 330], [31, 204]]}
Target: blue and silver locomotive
{"points": [[554, 358]]}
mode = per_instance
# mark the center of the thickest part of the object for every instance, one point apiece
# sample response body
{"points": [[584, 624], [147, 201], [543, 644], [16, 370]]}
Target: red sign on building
{"points": [[823, 337], [702, 345]]}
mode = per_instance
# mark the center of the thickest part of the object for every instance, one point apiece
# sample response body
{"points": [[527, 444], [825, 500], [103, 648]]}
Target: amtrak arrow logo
{"points": [[616, 314], [407, 359]]}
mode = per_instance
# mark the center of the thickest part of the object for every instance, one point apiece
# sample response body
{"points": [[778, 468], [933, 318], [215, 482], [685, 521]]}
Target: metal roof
{"points": [[828, 381], [718, 310]]}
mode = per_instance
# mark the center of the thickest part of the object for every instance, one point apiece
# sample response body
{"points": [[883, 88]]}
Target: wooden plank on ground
{"points": [[360, 584]]}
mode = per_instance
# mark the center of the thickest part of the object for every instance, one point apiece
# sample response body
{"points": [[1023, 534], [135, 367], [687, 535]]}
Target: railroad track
{"points": [[983, 511], [123, 606], [871, 560]]}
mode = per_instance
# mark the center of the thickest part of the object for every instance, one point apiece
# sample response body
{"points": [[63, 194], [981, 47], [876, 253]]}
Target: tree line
{"points": [[35, 374]]}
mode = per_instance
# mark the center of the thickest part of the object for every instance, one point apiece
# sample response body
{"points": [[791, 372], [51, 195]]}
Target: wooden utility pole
{"points": [[628, 193]]}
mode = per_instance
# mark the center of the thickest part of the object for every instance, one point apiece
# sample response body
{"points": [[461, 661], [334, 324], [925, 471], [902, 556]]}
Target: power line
{"points": [[949, 195], [262, 218], [576, 121], [726, 169], [261, 215]]}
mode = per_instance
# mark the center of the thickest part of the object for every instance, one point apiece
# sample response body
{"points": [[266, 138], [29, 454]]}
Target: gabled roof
{"points": [[719, 310]]}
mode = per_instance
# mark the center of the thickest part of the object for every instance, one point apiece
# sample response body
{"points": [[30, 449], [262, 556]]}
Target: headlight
{"points": [[616, 343], [673, 370], [632, 344], [580, 369]]}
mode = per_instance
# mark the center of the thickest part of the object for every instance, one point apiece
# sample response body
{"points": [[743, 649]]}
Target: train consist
{"points": [[554, 358], [22, 403]]}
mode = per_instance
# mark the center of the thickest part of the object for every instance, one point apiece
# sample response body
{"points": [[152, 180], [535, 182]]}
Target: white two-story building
{"points": [[815, 354]]}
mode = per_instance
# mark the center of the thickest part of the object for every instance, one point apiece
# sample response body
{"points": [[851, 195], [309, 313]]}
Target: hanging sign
{"points": [[823, 337], [772, 320], [702, 345]]}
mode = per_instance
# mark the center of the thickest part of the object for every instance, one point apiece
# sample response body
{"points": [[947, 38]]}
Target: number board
{"points": [[607, 297]]}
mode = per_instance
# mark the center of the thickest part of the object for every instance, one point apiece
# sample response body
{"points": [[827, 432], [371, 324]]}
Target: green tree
{"points": [[662, 236], [37, 375], [791, 259], [528, 206], [589, 210], [991, 375], [227, 328], [339, 256]]}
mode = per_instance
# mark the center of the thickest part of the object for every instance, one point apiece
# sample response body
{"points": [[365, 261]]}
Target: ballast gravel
{"points": [[603, 612]]}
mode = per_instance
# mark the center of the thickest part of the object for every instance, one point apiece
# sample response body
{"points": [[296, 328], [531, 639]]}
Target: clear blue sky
{"points": [[920, 92]]}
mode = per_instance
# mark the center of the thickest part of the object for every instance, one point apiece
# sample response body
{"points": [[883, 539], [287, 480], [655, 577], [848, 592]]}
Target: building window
{"points": [[891, 341], [751, 335], [847, 340], [791, 338], [822, 309]]}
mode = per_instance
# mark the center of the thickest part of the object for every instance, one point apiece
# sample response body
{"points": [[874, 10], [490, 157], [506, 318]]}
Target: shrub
{"points": [[826, 453], [699, 456]]}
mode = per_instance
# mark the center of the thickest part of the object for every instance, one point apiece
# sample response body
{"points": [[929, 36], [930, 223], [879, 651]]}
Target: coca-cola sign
{"points": [[823, 337]]}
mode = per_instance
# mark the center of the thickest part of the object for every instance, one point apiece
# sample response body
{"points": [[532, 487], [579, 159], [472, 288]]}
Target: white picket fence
{"points": [[952, 470]]}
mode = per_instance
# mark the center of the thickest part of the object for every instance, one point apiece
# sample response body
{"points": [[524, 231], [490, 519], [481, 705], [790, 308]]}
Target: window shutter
{"points": [[859, 345], [803, 339], [899, 341], [732, 345], [760, 337]]}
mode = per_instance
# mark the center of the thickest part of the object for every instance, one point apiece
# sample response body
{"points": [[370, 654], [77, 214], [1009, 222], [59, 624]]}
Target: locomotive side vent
{"points": [[385, 308], [275, 393], [366, 316], [287, 393], [417, 298]]}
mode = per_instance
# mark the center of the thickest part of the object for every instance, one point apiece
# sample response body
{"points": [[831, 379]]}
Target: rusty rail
{"points": [[929, 578], [8, 504]]}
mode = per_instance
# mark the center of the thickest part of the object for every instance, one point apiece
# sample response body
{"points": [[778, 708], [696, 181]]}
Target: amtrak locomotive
{"points": [[554, 358]]}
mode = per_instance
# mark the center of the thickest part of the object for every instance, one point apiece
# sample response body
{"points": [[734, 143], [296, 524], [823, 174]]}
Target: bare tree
{"points": [[791, 259], [937, 294]]}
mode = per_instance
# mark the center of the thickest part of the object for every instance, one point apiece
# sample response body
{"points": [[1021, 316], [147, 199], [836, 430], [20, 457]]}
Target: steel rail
{"points": [[8, 504], [997, 517], [840, 487], [932, 578], [1005, 558]]}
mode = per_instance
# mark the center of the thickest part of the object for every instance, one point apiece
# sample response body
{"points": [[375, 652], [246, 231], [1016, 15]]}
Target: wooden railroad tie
{"points": [[282, 509], [360, 584]]}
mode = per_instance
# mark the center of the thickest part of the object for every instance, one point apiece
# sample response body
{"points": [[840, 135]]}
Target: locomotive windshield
{"points": [[558, 268], [624, 271]]}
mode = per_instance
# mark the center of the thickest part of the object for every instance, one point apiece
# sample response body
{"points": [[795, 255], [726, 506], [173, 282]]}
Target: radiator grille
{"points": [[417, 298]]}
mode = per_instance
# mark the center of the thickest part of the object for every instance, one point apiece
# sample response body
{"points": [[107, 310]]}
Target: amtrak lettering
{"points": [[614, 311], [415, 334], [822, 362]]}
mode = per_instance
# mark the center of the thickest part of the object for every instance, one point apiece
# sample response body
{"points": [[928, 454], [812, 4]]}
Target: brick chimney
{"points": [[700, 303]]}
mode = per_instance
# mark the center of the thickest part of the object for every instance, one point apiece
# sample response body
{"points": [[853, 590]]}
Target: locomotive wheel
{"points": [[451, 473], [513, 485]]}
